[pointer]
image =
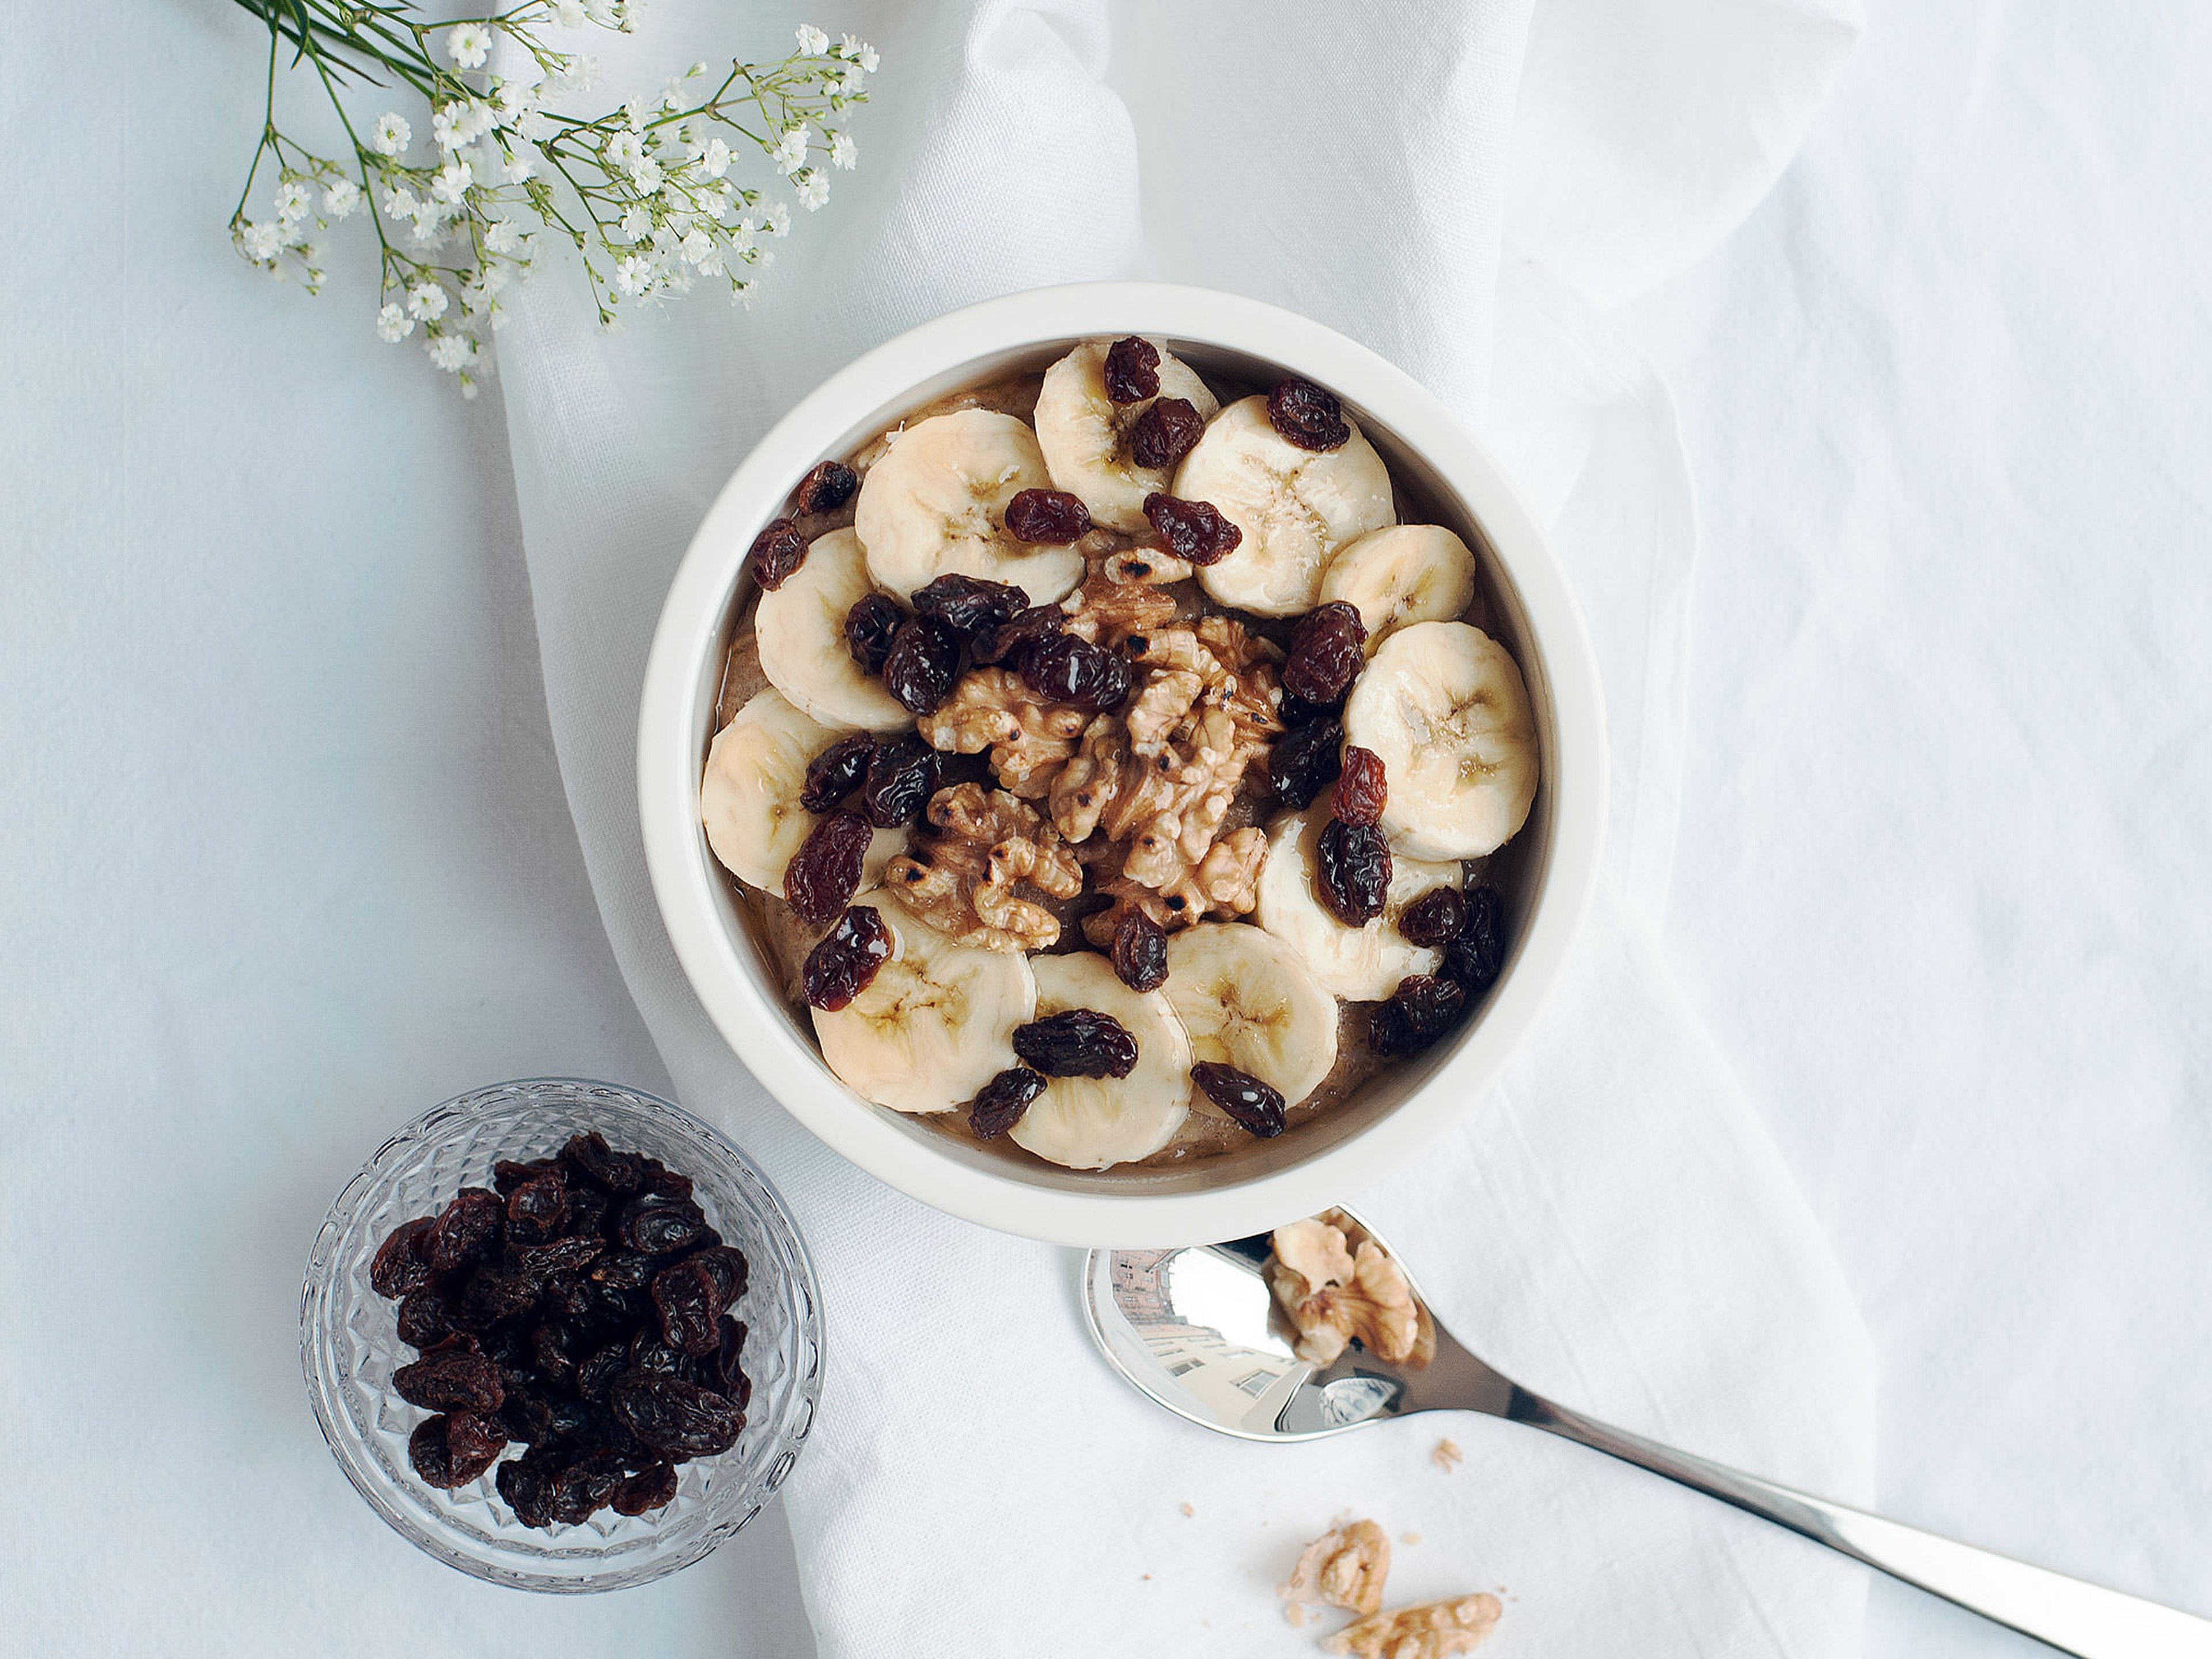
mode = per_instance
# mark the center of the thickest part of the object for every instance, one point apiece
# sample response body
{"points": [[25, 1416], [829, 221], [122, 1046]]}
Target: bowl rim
{"points": [[682, 869]]}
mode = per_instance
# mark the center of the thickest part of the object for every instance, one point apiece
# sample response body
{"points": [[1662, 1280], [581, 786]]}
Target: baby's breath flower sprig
{"points": [[648, 194]]}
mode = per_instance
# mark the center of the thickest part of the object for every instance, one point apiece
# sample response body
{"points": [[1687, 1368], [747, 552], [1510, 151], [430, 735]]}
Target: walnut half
{"points": [[965, 880], [1345, 1567], [1432, 1630], [1334, 1287]]}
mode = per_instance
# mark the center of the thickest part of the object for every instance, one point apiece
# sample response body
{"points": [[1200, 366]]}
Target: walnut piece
{"points": [[1030, 739], [988, 843], [1446, 1456], [1334, 1287], [1345, 1567], [1432, 1630]]}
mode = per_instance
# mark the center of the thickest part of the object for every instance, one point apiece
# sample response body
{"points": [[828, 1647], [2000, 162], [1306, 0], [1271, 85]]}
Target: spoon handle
{"points": [[2072, 1616]]}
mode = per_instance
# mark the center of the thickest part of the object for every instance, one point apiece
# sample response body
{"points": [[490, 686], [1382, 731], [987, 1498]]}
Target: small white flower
{"points": [[813, 188], [843, 152], [445, 125], [624, 150], [790, 152], [426, 300], [576, 74], [779, 219], [468, 44], [428, 228], [849, 47], [452, 182], [762, 257], [260, 240], [516, 167], [341, 198], [536, 125], [869, 60], [450, 352], [477, 119], [811, 40], [716, 160], [633, 275], [852, 78], [607, 14], [391, 135], [511, 100], [394, 324], [741, 236], [293, 200], [636, 224], [568, 13], [741, 294], [502, 236], [646, 175], [399, 203], [715, 201], [697, 246]]}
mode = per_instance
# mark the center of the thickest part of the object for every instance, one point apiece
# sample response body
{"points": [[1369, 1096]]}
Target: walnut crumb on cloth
{"points": [[1345, 1567], [1432, 1630]]}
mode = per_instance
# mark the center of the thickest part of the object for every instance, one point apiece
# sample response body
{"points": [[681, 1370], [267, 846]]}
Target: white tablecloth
{"points": [[286, 857]]}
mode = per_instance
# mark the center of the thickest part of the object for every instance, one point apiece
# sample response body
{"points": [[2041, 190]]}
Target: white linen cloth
{"points": [[1612, 1226]]}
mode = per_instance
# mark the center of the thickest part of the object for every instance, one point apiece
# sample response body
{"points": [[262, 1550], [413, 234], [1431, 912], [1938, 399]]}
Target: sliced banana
{"points": [[1296, 507], [1362, 963], [1445, 707], [801, 629], [1247, 1000], [1093, 1123], [749, 799], [936, 505], [1084, 434], [1400, 574], [935, 1024]]}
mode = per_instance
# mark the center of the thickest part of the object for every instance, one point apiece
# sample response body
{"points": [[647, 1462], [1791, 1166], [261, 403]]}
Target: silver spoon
{"points": [[1195, 1330]]}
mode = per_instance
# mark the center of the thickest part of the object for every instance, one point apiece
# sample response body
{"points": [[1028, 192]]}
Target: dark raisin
{"points": [[507, 1175], [450, 1379], [1047, 516], [1295, 713], [1078, 1042], [1352, 870], [525, 1483], [491, 1296], [1308, 417], [549, 1353], [1434, 919], [923, 665], [777, 552], [652, 1355], [1419, 1011], [624, 1270], [1165, 433], [723, 1371], [1304, 762], [1192, 529], [1140, 950], [1362, 791], [582, 1488], [652, 1487], [1067, 669], [846, 962], [466, 1229], [425, 1316], [537, 1210], [1250, 1103], [967, 604], [1475, 957], [525, 1417], [539, 1263], [588, 1207], [590, 1156], [657, 1177], [568, 1296], [1010, 639], [1132, 369], [1325, 654], [727, 1267], [399, 1268], [902, 777], [826, 488], [823, 874], [1000, 1103], [599, 1369], [870, 626], [449, 1452], [655, 1224], [685, 1294], [671, 1415], [836, 773]]}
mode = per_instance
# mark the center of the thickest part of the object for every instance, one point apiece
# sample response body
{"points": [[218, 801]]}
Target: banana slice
{"points": [[1093, 1123], [1401, 574], [937, 505], [1445, 707], [749, 799], [801, 630], [1296, 507], [1248, 1001], [1361, 963], [1084, 434], [935, 1024]]}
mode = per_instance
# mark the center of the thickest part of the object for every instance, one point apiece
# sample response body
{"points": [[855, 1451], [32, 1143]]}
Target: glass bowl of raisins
{"points": [[497, 1520]]}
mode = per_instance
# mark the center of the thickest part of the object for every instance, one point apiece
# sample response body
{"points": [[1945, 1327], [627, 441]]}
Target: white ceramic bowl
{"points": [[1553, 861]]}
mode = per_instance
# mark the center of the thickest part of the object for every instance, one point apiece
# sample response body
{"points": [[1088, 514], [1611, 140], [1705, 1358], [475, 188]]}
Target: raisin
{"points": [[685, 1294], [525, 1483], [902, 777], [652, 1487], [425, 1316], [870, 626], [399, 1269], [1325, 652], [923, 665], [1304, 762], [846, 962], [1353, 871], [525, 1417], [537, 1263], [1000, 1103], [1295, 713], [624, 1270], [1475, 957], [537, 1210], [507, 1175], [1419, 1011], [590, 1156], [723, 1371], [968, 604], [1047, 516], [1361, 789], [824, 871], [671, 1415], [1165, 433], [491, 1296], [777, 552], [1070, 670], [450, 1452], [1012, 639], [826, 488], [836, 773], [1078, 1042], [657, 1177], [598, 1372], [450, 1379], [584, 1485], [466, 1229], [1194, 530], [730, 1271], [549, 1354], [1435, 918], [1308, 417], [1140, 950], [1132, 369], [1250, 1103], [588, 1207], [657, 1225], [568, 1296]]}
